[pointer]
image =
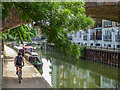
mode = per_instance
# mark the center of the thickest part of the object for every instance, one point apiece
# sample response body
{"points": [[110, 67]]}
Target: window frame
{"points": [[80, 34], [118, 23], [108, 23]]}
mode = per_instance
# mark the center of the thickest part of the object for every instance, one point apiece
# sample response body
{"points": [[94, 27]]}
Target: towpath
{"points": [[31, 77]]}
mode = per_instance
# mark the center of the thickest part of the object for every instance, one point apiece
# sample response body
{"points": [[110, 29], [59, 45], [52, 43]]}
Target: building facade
{"points": [[105, 34]]}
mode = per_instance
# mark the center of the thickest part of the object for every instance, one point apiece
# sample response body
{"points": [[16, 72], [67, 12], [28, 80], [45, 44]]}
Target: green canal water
{"points": [[65, 72]]}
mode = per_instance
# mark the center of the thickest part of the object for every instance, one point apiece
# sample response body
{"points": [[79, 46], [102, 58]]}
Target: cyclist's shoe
{"points": [[21, 77], [17, 72]]}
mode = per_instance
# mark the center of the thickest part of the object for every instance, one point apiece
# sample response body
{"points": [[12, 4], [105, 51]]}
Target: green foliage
{"points": [[5, 11], [41, 71], [34, 32], [82, 50], [19, 34], [53, 18]]}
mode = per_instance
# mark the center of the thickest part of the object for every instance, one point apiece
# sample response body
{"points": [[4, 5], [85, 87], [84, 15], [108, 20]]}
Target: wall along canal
{"points": [[63, 72]]}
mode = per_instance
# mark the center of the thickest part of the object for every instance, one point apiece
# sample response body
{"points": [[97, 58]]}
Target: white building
{"points": [[105, 33]]}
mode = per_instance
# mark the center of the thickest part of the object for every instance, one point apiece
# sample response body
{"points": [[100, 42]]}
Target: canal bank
{"points": [[31, 77], [103, 55], [61, 72]]}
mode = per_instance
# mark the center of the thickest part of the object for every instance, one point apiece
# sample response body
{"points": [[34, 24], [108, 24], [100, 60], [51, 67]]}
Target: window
{"points": [[70, 36], [118, 23], [118, 46], [108, 23], [91, 44], [28, 49], [80, 34], [97, 44], [75, 34], [109, 45], [118, 32], [79, 43], [108, 32]]}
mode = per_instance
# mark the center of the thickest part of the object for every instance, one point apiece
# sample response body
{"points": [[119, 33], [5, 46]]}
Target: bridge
{"points": [[101, 10]]}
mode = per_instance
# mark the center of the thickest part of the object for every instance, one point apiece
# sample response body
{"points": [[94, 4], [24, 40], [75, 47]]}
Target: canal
{"points": [[65, 72]]}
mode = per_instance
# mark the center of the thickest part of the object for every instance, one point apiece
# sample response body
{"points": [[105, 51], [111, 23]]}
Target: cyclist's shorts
{"points": [[20, 66]]}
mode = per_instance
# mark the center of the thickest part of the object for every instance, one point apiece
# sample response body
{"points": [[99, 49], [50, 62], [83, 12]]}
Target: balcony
{"points": [[95, 37], [107, 37], [85, 37], [117, 38]]}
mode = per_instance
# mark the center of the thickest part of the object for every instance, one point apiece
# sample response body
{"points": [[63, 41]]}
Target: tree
{"points": [[19, 34], [54, 18]]}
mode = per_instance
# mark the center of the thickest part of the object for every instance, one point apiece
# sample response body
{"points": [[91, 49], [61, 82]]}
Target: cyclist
{"points": [[18, 61]]}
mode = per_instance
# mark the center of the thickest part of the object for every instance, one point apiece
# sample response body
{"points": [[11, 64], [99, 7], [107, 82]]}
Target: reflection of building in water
{"points": [[106, 82], [54, 76], [65, 75], [103, 82]]}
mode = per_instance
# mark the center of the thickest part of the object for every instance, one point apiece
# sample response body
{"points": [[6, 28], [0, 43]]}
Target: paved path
{"points": [[31, 77]]}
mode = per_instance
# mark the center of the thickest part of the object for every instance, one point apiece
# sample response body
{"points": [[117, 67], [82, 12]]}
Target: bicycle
{"points": [[19, 74]]}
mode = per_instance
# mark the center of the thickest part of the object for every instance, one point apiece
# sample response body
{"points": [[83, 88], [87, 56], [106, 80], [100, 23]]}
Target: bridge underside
{"points": [[109, 11], [104, 12]]}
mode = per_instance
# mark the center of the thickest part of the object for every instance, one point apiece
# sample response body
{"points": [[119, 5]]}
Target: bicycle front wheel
{"points": [[19, 79]]}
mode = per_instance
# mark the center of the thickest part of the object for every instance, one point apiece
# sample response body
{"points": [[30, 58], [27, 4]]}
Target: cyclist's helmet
{"points": [[19, 53]]}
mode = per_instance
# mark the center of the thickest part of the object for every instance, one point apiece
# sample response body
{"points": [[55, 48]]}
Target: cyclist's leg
{"points": [[21, 71], [16, 69]]}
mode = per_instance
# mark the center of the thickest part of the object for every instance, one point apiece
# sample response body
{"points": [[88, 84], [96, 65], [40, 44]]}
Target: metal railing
{"points": [[117, 38], [107, 37], [103, 48]]}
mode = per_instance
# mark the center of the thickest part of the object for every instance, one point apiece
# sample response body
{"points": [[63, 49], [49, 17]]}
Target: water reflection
{"points": [[82, 74]]}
